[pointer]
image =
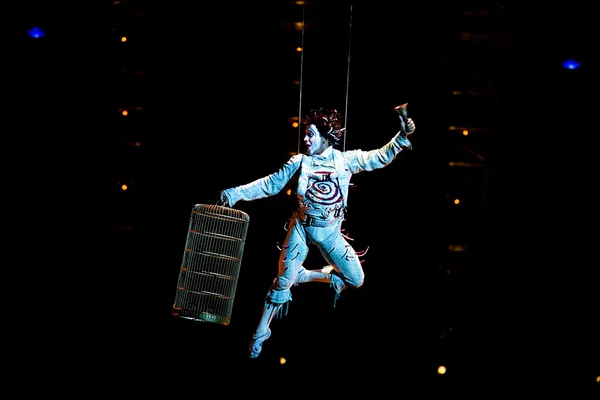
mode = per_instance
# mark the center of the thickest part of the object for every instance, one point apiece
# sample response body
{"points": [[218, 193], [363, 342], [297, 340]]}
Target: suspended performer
{"points": [[324, 174]]}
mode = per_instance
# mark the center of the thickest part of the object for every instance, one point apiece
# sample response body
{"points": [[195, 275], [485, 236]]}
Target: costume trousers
{"points": [[334, 248]]}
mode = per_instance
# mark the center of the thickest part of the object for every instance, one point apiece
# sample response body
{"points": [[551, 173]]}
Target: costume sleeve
{"points": [[361, 160], [264, 187]]}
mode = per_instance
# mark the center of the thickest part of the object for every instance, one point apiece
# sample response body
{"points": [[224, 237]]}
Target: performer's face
{"points": [[313, 141]]}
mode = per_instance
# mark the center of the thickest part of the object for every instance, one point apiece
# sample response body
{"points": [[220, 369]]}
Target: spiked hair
{"points": [[328, 122]]}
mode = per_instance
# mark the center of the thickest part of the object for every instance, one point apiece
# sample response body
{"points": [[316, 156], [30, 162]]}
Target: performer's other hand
{"points": [[223, 200]]}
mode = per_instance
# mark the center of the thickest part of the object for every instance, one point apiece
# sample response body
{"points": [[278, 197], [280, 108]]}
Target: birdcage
{"points": [[211, 264]]}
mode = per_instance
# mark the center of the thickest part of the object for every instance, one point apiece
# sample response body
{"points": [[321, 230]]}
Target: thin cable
{"points": [[347, 79], [301, 81], [302, 78]]}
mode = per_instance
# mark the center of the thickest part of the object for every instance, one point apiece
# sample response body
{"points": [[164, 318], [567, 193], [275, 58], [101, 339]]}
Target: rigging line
{"points": [[301, 79], [347, 79]]}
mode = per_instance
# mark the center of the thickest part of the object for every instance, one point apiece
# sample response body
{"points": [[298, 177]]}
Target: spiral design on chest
{"points": [[324, 193]]}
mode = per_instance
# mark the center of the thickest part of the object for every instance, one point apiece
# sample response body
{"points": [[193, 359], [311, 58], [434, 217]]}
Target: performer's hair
{"points": [[328, 122]]}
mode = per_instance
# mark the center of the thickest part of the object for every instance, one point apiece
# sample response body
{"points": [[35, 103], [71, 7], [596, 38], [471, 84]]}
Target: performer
{"points": [[324, 174]]}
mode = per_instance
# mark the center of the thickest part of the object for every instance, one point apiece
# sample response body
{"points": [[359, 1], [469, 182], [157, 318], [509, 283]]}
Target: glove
{"points": [[407, 127], [222, 201]]}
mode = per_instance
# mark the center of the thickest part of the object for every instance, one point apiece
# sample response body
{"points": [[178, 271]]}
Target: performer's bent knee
{"points": [[278, 296], [355, 280], [355, 284], [280, 290]]}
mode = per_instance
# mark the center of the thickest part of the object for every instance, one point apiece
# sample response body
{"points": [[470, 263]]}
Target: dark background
{"points": [[93, 270]]}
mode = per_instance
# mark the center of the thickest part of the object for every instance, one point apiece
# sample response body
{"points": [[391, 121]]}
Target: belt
{"points": [[309, 220]]}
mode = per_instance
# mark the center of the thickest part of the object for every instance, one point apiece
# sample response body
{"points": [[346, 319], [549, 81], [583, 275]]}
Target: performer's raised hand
{"points": [[407, 127]]}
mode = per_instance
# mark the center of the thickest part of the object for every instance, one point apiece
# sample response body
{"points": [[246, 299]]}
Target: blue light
{"points": [[36, 32], [571, 64]]}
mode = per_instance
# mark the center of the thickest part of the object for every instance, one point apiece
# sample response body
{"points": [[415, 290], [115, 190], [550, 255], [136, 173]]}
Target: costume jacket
{"points": [[323, 180]]}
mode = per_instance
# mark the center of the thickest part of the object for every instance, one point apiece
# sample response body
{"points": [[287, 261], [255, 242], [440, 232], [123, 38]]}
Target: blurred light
{"points": [[124, 113], [571, 64], [124, 187], [295, 124], [456, 248], [465, 132], [282, 360], [298, 49], [124, 39], [466, 128], [463, 164], [36, 32], [441, 370], [456, 201]]}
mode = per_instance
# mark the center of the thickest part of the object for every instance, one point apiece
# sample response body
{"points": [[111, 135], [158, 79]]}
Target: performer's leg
{"points": [[268, 313], [262, 331], [293, 254], [314, 275], [347, 270]]}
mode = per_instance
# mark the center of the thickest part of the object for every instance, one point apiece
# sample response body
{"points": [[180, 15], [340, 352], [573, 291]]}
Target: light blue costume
{"points": [[322, 192]]}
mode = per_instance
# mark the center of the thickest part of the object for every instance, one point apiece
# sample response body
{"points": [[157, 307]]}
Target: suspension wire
{"points": [[301, 79], [347, 79]]}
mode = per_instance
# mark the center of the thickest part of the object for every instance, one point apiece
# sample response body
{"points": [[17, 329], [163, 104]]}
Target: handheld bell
{"points": [[403, 113]]}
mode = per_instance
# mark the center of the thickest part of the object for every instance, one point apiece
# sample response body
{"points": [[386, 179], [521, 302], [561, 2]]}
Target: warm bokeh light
{"points": [[282, 360], [441, 370], [456, 201], [466, 128], [124, 187], [298, 49], [124, 113], [123, 39], [295, 124], [465, 132]]}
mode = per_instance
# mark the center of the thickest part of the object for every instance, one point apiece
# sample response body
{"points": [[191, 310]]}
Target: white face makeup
{"points": [[313, 141]]}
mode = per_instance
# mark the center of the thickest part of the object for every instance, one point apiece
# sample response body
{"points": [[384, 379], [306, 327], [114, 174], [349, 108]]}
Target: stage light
{"points": [[571, 64], [36, 32]]}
